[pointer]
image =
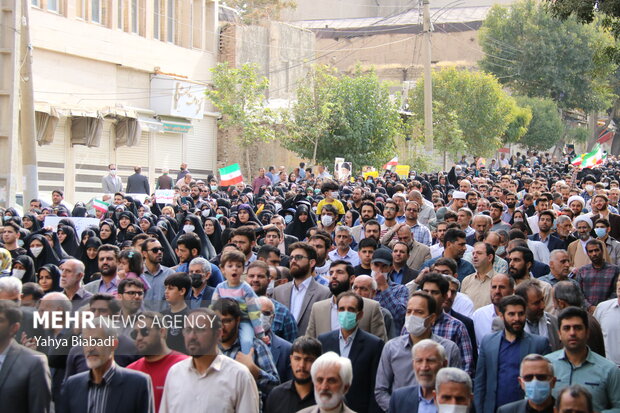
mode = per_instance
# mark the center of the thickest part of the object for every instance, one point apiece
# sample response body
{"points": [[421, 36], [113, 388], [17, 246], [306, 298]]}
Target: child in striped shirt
{"points": [[232, 265]]}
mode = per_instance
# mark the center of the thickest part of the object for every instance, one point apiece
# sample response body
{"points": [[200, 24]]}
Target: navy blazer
{"points": [[554, 242], [404, 400], [281, 354], [485, 384], [130, 391], [206, 296], [469, 325], [539, 269], [365, 354]]}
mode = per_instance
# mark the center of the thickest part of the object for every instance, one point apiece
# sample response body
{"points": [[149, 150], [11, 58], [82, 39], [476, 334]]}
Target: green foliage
{"points": [[253, 11], [578, 134], [474, 103], [546, 128], [519, 125], [239, 94], [343, 116], [539, 55]]}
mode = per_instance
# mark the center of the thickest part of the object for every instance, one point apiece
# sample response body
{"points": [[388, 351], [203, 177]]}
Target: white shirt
{"points": [[436, 250], [297, 297], [483, 321], [226, 387], [540, 251], [533, 221], [463, 304], [607, 314]]}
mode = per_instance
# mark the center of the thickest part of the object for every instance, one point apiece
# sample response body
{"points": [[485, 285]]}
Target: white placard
{"points": [[164, 196], [80, 223]]}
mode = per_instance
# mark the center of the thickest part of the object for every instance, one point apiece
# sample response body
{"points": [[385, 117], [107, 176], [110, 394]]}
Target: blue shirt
{"points": [[424, 405], [597, 374], [397, 276], [508, 361]]}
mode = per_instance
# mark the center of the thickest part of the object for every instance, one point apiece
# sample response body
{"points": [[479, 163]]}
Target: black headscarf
{"points": [[170, 258], [252, 218], [58, 250], [36, 224], [70, 245], [216, 237], [122, 232], [28, 264], [298, 228], [91, 266], [112, 239], [55, 273], [208, 251], [47, 256]]}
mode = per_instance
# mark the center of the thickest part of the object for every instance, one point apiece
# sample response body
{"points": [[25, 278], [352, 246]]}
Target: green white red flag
{"points": [[230, 175]]}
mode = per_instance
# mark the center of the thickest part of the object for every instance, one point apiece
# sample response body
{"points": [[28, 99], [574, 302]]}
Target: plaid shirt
{"points": [[284, 325], [394, 299], [421, 234], [268, 377], [454, 330], [597, 284]]}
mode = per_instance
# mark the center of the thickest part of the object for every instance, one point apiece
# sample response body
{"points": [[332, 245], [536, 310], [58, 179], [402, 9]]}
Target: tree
{"points": [[239, 94], [538, 55], [343, 116], [253, 11], [475, 100], [546, 128]]}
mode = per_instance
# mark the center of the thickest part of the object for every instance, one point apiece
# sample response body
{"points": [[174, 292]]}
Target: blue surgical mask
{"points": [[537, 391], [347, 320], [600, 232]]}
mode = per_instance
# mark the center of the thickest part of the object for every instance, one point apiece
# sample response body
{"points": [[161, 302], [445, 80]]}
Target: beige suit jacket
{"points": [[371, 322]]}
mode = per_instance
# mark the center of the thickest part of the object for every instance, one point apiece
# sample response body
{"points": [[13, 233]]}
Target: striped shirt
{"points": [[247, 299], [98, 394]]}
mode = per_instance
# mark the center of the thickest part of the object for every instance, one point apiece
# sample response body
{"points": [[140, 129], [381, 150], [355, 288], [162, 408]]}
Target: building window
{"points": [[52, 5], [170, 17], [134, 16], [36, 3], [196, 16], [95, 11], [81, 9], [156, 19]]}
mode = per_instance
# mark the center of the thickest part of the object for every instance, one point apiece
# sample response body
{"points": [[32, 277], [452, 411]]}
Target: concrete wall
{"points": [[283, 54], [345, 9]]}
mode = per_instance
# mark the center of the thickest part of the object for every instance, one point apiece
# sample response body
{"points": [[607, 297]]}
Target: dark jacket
{"points": [[365, 354], [405, 400], [520, 406], [281, 353], [138, 184], [130, 391], [408, 275]]}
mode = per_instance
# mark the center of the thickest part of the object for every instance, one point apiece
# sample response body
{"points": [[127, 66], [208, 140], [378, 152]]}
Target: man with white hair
{"points": [[366, 286], [72, 273], [106, 387], [332, 376], [279, 348], [428, 358], [453, 391]]}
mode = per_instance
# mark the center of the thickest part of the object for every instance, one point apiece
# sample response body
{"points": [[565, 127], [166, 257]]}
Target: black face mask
{"points": [[196, 280]]}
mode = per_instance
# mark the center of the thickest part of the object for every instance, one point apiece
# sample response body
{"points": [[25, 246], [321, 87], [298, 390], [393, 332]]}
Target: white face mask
{"points": [[112, 172], [205, 212], [589, 188], [188, 228], [266, 321], [19, 274], [326, 220], [415, 325], [452, 408], [36, 251]]}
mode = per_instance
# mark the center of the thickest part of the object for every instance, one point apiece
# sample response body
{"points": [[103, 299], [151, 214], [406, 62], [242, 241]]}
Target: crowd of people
{"points": [[477, 289]]}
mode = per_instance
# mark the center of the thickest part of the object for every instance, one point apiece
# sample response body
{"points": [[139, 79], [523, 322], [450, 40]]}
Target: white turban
{"points": [[577, 198], [584, 218], [459, 195]]}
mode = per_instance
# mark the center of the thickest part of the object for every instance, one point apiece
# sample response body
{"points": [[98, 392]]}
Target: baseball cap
{"points": [[383, 256]]}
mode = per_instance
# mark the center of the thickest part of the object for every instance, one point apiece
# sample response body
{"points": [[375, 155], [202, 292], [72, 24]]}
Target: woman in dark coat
{"points": [[107, 232], [68, 240], [89, 258], [25, 263], [40, 251]]}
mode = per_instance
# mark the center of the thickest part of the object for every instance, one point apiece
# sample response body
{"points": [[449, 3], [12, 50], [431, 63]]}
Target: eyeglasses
{"points": [[144, 331], [539, 377], [134, 293], [157, 250], [298, 257]]}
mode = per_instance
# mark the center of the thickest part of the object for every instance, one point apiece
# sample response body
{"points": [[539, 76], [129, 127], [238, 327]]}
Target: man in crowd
{"points": [[72, 273], [157, 358], [332, 376], [111, 183], [208, 378], [597, 374], [394, 369], [559, 264], [401, 273], [283, 323], [486, 318], [138, 183], [362, 348], [537, 381], [201, 293], [428, 358], [154, 273], [545, 234], [453, 390], [537, 320], [300, 294], [107, 259], [500, 355], [598, 279], [607, 314], [324, 316], [296, 394], [366, 287], [343, 251], [280, 349], [455, 246], [476, 285], [390, 295]]}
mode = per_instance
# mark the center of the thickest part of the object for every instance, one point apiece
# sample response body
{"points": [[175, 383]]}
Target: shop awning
{"points": [[176, 125], [150, 123]]}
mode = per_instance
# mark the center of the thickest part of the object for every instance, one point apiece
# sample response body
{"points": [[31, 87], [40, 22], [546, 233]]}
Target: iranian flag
{"points": [[99, 205], [230, 175], [577, 161], [391, 163], [596, 157]]}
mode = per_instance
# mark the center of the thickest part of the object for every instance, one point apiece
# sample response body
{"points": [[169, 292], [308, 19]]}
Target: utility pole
{"points": [[10, 14], [28, 133], [428, 83]]}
